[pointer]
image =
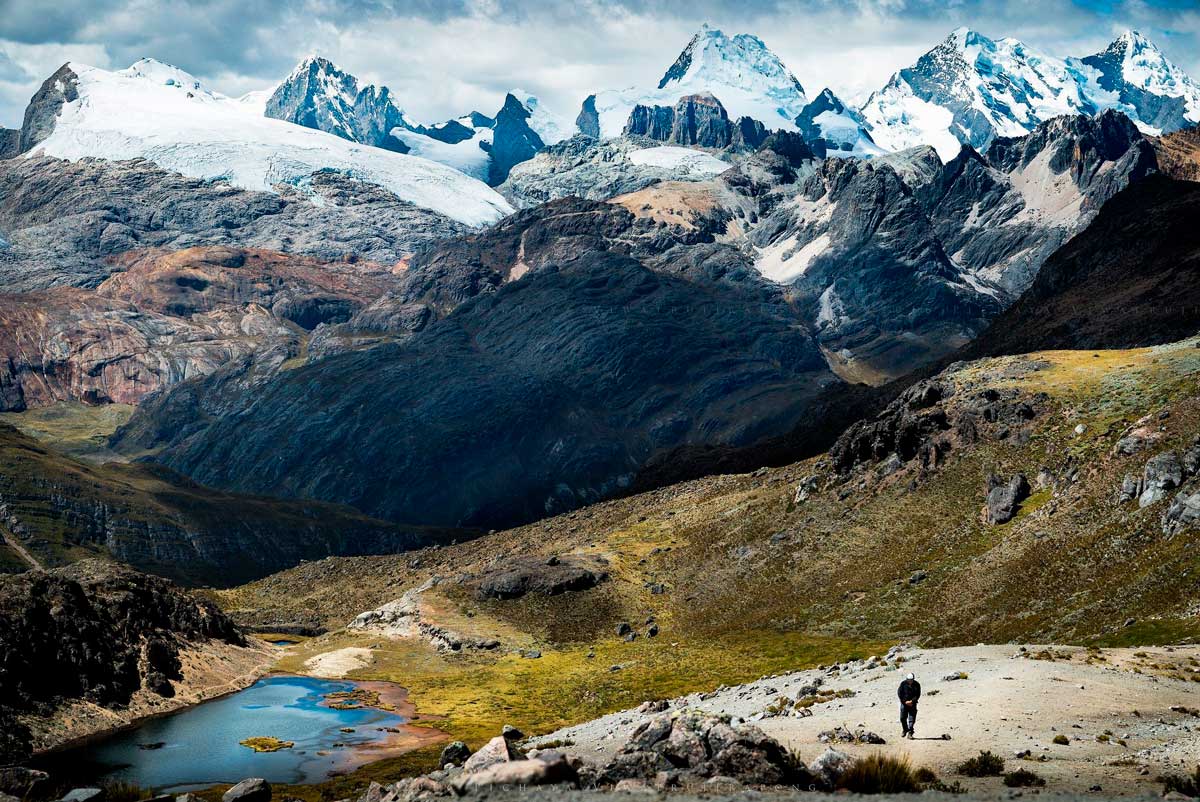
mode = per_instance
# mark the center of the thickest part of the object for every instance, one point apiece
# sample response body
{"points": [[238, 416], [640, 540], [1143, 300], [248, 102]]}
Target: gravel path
{"points": [[1007, 703]]}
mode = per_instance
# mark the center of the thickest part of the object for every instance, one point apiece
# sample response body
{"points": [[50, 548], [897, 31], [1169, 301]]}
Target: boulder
{"points": [[549, 768], [496, 751], [456, 753], [1004, 497], [830, 765], [84, 795], [254, 789]]}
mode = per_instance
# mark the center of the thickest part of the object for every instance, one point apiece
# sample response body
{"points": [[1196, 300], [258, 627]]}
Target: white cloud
{"points": [[445, 57]]}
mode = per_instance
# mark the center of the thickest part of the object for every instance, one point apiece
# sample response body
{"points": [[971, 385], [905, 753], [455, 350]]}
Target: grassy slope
{"points": [[757, 583]]}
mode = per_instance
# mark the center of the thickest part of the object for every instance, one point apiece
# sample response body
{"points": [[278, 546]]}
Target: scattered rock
{"points": [[1163, 472], [859, 735]]}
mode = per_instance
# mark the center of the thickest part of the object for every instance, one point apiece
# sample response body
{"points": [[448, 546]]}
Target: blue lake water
{"points": [[201, 744]]}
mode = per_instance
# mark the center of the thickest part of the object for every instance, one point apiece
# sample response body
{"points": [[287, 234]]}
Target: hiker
{"points": [[909, 693]]}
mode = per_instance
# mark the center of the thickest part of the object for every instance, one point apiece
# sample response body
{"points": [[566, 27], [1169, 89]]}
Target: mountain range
{"points": [[288, 284]]}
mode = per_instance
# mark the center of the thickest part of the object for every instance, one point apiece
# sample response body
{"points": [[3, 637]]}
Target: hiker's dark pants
{"points": [[908, 717]]}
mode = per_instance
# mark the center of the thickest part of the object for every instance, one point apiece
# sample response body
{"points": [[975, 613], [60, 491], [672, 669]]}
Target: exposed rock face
{"points": [[166, 317], [319, 95], [45, 105], [157, 521], [588, 120], [63, 221], [902, 259], [513, 141], [695, 120], [10, 142], [1130, 279], [193, 281], [95, 632], [543, 330], [70, 344], [1179, 154]]}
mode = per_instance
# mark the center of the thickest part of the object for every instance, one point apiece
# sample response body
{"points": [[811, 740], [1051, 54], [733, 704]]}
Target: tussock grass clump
{"points": [[1023, 778], [985, 764], [117, 791], [880, 774], [1186, 784], [1061, 740]]}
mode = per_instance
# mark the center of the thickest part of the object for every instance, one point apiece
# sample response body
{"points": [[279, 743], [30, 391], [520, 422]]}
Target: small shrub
{"points": [[925, 776], [1188, 785], [1023, 778], [985, 764], [880, 774], [1061, 740]]}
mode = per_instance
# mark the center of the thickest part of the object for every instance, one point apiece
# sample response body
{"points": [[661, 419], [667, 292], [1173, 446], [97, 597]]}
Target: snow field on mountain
{"points": [[160, 113]]}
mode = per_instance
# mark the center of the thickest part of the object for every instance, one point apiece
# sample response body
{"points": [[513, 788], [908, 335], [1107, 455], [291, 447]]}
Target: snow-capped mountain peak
{"points": [[740, 71], [841, 129], [970, 89], [157, 112], [1134, 76], [319, 95]]}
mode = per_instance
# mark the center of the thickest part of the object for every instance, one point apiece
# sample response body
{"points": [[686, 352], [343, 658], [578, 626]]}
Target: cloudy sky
{"points": [[445, 57]]}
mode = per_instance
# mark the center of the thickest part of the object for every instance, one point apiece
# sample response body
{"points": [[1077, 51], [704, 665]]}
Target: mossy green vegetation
{"points": [[266, 743]]}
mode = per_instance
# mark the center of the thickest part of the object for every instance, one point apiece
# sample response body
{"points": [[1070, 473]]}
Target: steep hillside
{"points": [[1131, 278], [906, 530], [54, 510]]}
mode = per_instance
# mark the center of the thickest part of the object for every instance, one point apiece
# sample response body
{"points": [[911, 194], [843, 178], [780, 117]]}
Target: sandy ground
{"points": [[1007, 704], [338, 663]]}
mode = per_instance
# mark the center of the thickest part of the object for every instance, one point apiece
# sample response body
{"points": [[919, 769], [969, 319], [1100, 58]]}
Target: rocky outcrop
{"points": [[63, 222], [45, 105], [927, 421], [513, 141], [1004, 498], [685, 748], [548, 577], [585, 168], [695, 121], [588, 120], [98, 633]]}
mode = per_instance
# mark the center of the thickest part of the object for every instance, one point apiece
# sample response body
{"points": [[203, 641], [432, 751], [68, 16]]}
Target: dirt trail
{"points": [[19, 549], [1007, 703]]}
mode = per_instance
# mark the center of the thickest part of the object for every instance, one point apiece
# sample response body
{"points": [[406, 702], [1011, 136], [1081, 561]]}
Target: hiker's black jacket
{"points": [[910, 689]]}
